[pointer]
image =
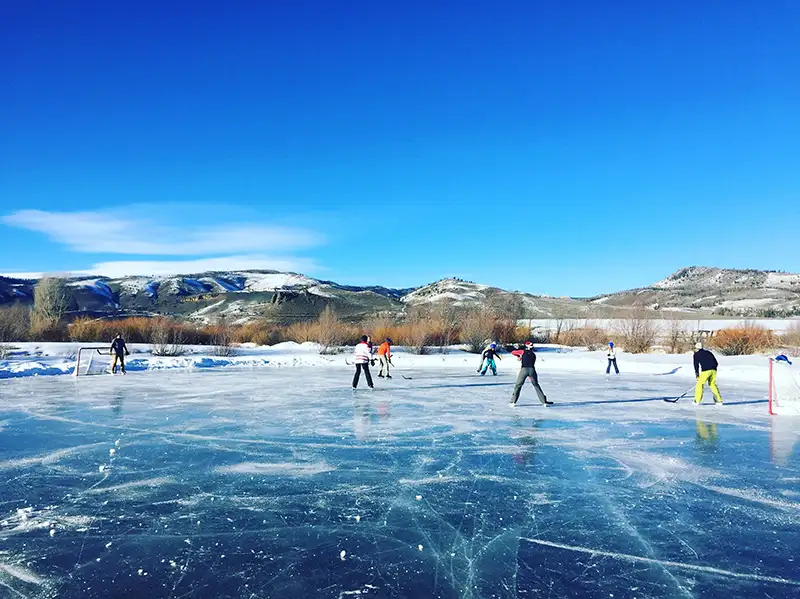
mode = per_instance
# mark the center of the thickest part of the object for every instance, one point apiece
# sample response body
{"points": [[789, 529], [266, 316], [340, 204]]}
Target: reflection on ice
{"points": [[229, 484]]}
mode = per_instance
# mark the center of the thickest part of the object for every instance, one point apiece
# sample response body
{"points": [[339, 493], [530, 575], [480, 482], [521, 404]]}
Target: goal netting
{"points": [[93, 360], [784, 387]]}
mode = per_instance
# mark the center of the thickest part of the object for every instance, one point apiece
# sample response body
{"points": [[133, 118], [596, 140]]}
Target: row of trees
{"points": [[641, 335]]}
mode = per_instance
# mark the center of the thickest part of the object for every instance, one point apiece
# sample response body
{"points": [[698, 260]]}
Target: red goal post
{"points": [[784, 388]]}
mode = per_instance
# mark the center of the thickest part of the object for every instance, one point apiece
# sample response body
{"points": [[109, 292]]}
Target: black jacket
{"points": [[489, 353], [704, 360], [118, 346], [528, 358]]}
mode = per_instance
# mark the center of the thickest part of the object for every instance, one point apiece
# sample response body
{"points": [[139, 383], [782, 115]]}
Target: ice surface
{"points": [[286, 483]]}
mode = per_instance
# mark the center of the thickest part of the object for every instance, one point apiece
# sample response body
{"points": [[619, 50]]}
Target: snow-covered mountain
{"points": [[240, 296], [466, 294], [457, 291], [288, 297], [720, 291]]}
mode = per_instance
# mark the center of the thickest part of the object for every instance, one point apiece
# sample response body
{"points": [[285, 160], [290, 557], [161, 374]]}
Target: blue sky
{"points": [[568, 148]]}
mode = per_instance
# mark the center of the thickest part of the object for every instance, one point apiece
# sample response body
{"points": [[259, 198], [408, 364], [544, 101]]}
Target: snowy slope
{"points": [[283, 296], [730, 292], [454, 290]]}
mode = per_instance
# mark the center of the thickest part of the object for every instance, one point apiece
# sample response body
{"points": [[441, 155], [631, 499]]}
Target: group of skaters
{"points": [[705, 367], [364, 356]]}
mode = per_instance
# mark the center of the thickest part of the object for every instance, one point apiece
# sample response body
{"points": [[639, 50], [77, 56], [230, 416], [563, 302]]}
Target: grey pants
{"points": [[525, 373]]}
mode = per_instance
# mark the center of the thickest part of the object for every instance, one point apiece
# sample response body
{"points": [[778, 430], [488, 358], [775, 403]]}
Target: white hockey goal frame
{"points": [[83, 357], [774, 402]]}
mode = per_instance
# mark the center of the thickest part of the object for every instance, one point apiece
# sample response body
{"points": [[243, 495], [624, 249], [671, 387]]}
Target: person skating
{"points": [[705, 369], [385, 357], [119, 350], [362, 356], [527, 370], [612, 358], [488, 359]]}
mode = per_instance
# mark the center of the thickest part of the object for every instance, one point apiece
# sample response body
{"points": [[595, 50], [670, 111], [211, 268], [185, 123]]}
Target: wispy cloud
{"points": [[146, 268], [98, 232], [124, 268]]}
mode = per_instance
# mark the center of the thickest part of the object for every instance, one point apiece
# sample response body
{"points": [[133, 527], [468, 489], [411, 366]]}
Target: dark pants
{"points": [[610, 362], [359, 367], [525, 373], [121, 359]]}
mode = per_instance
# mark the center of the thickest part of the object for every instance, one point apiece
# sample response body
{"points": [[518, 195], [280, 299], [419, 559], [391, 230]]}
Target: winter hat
{"points": [[610, 344], [388, 340], [364, 338], [529, 344], [492, 345], [698, 345]]}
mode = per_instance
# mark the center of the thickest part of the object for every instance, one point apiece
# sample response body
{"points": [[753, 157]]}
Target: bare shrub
{"points": [[417, 332], [746, 339], [301, 332], [260, 332], [86, 329], [506, 331], [477, 328], [43, 331], [592, 338], [638, 333], [222, 338], [562, 323], [15, 322], [381, 328], [677, 339], [446, 323], [49, 305], [330, 331], [791, 336], [166, 338], [134, 330]]}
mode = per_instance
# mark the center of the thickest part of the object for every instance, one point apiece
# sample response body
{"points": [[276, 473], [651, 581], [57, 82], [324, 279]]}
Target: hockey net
{"points": [[93, 360], [784, 388]]}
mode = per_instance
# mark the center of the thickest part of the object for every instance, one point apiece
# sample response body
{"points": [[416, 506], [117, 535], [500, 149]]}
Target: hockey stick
{"points": [[408, 378], [670, 400]]}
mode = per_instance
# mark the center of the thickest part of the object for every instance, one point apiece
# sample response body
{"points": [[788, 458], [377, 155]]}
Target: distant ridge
{"points": [[240, 296]]}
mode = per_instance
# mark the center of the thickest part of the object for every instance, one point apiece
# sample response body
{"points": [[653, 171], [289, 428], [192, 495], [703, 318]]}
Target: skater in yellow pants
{"points": [[705, 368]]}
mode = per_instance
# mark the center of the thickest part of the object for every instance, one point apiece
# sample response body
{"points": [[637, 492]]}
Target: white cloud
{"points": [[123, 268], [127, 268], [98, 232]]}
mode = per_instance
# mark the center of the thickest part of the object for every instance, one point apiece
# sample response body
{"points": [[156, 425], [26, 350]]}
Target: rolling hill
{"points": [[287, 297]]}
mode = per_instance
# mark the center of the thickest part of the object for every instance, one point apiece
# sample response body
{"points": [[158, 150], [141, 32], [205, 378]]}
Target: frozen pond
{"points": [[285, 483]]}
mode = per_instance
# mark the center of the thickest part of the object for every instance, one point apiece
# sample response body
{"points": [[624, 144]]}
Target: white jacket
{"points": [[612, 353], [362, 353]]}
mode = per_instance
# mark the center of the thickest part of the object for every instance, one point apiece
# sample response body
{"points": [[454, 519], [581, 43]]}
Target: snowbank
{"points": [[47, 359]]}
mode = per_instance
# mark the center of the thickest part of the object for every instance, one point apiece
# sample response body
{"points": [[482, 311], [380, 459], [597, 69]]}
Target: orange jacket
{"points": [[385, 349]]}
